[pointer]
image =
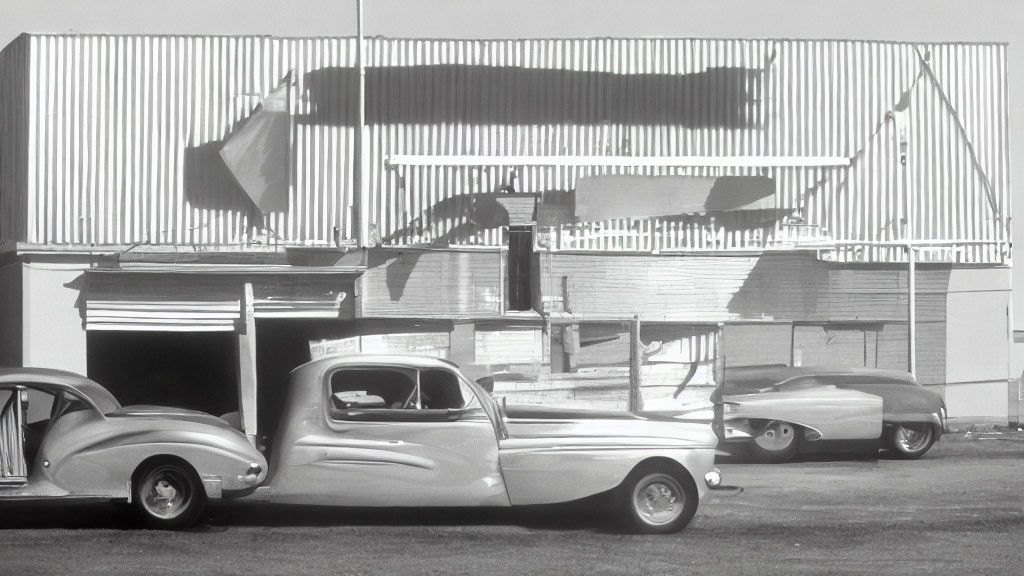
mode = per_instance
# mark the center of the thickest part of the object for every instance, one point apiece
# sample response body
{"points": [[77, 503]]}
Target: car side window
{"points": [[362, 388], [444, 390], [39, 407], [398, 394]]}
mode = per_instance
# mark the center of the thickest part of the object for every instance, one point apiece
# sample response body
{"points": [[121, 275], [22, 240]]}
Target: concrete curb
{"points": [[1011, 434]]}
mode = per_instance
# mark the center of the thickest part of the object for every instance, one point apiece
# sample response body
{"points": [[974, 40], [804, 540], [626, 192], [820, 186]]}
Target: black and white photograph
{"points": [[530, 287]]}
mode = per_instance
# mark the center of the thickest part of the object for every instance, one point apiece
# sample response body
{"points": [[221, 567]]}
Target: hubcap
{"points": [[658, 499], [166, 492], [776, 436], [911, 439]]}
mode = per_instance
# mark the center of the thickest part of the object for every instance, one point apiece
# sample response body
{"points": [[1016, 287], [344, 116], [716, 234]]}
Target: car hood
{"points": [[166, 413]]}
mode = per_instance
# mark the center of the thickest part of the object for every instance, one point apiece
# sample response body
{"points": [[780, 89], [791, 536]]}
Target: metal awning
{"points": [[209, 298], [627, 196]]}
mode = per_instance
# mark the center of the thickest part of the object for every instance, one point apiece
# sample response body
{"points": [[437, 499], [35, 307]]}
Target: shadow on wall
{"points": [[474, 212], [399, 267], [210, 185], [785, 286], [455, 93]]}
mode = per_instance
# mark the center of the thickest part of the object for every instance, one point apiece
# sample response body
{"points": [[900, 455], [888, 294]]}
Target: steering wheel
{"points": [[410, 402]]}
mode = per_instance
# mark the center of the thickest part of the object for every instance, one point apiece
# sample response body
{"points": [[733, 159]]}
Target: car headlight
{"points": [[713, 478]]}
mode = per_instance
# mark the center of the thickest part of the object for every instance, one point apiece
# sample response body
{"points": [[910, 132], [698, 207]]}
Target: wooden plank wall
{"points": [[757, 344], [432, 284], [735, 288], [509, 345]]}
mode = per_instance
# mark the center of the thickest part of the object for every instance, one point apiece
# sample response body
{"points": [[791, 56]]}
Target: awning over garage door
{"points": [[209, 299]]}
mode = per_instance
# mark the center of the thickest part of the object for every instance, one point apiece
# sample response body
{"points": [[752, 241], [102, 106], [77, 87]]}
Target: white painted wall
{"points": [[978, 345], [53, 334]]}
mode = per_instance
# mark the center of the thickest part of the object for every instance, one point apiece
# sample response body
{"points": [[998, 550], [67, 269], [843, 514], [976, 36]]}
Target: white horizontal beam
{"points": [[667, 161]]}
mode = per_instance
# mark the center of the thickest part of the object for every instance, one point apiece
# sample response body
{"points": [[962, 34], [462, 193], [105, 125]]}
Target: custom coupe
{"points": [[63, 436], [777, 411], [358, 430]]}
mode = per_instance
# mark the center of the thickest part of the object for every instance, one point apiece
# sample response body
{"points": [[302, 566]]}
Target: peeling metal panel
{"points": [[124, 132]]}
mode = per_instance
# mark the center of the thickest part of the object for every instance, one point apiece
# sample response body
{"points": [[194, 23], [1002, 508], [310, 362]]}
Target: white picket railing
{"points": [[654, 236], [699, 234]]}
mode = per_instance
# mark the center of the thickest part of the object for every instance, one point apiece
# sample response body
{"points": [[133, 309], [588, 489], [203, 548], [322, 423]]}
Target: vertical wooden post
{"points": [[911, 310], [718, 420], [247, 366], [636, 360]]}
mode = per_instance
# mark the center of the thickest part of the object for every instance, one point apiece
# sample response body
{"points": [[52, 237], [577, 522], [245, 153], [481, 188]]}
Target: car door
{"points": [[394, 436], [13, 469]]}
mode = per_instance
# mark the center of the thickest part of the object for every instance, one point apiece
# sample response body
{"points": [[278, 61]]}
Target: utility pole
{"points": [[361, 212]]}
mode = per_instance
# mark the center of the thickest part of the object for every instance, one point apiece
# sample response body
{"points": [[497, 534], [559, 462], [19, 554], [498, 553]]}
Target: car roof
{"points": [[779, 373], [53, 379], [404, 360]]}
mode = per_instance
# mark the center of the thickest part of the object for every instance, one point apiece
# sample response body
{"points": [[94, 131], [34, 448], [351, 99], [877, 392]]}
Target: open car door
{"points": [[12, 447]]}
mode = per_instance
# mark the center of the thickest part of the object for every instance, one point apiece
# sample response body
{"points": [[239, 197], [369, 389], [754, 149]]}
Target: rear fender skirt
{"points": [[746, 428]]}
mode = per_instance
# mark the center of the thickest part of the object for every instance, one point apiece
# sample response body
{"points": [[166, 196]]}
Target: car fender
{"points": [[561, 461], [834, 413], [90, 456]]}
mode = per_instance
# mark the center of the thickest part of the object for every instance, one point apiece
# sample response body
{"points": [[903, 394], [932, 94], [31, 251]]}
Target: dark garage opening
{"points": [[194, 370]]}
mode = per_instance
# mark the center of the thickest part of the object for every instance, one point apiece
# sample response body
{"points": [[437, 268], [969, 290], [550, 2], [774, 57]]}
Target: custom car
{"points": [[63, 436], [356, 430], [399, 430], [777, 411]]}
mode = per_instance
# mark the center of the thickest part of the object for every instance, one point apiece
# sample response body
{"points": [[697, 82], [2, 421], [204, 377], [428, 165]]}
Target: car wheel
{"points": [[777, 443], [911, 441], [168, 495], [657, 500]]}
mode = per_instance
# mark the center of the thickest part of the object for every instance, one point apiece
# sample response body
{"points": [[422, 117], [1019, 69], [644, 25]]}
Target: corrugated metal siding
{"points": [[14, 139], [125, 129]]}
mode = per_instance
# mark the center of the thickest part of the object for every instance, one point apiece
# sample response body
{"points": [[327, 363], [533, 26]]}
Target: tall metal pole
{"points": [[902, 133], [362, 209]]}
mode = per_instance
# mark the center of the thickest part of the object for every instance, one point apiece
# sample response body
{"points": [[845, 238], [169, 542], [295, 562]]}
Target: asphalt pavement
{"points": [[959, 510]]}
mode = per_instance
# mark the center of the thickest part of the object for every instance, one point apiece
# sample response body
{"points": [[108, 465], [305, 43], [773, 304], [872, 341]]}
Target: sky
{"points": [[906, 20]]}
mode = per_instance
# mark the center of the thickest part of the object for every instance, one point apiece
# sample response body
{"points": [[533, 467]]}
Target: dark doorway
{"points": [[194, 370], [520, 250]]}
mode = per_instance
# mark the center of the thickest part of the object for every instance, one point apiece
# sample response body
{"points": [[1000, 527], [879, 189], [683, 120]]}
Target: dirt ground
{"points": [[959, 510]]}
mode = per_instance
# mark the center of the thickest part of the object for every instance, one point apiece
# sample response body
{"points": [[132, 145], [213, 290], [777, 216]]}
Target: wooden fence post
{"points": [[636, 360]]}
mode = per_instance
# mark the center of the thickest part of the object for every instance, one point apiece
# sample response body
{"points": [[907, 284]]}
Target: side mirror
{"points": [[487, 383]]}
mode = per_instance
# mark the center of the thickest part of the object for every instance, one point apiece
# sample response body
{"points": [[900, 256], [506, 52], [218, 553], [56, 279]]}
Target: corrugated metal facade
{"points": [[125, 130]]}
